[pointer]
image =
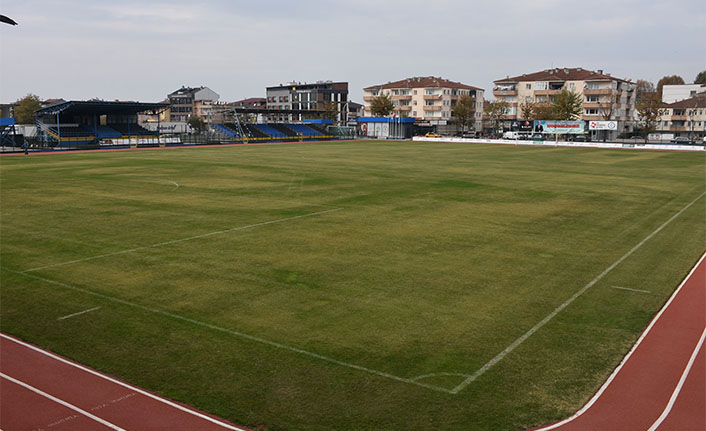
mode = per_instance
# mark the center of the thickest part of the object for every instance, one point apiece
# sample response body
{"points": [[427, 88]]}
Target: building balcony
{"points": [[369, 98], [433, 108], [597, 92], [592, 105], [504, 92], [678, 129], [592, 118], [432, 97], [402, 97], [403, 108], [678, 118], [546, 92]]}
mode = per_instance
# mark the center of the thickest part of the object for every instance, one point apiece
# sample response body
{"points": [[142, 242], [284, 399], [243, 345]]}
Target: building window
{"points": [[528, 86], [593, 85], [540, 85], [591, 111]]}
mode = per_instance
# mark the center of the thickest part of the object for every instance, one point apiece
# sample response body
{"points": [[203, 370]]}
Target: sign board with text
{"points": [[602, 125], [559, 127]]}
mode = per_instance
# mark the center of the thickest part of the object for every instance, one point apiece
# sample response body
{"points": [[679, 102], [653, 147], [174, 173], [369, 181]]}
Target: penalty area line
{"points": [[237, 334], [176, 241], [500, 356]]}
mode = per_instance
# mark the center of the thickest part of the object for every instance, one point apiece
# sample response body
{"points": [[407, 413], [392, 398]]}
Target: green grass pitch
{"points": [[351, 285]]}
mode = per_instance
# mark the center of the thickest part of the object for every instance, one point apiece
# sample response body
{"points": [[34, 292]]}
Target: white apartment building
{"points": [[675, 93], [428, 99], [606, 98]]}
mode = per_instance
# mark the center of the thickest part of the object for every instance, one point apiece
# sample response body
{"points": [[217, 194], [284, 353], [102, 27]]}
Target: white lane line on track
{"points": [[176, 241], [557, 310], [684, 375], [125, 385], [62, 402], [612, 377], [632, 290], [78, 314]]}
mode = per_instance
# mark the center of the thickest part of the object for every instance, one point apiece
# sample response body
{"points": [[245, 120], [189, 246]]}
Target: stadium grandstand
{"points": [[237, 126], [96, 124]]}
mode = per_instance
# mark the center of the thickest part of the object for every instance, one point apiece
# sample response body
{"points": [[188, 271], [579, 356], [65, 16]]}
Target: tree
{"points": [[495, 110], [24, 111], [382, 106], [669, 80], [464, 111], [567, 105], [527, 109], [700, 78], [643, 88], [197, 123], [649, 112], [544, 111]]}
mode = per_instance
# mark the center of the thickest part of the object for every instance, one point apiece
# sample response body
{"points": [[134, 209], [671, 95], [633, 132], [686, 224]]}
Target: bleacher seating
{"points": [[319, 128], [284, 128], [304, 130], [102, 132], [254, 132], [70, 131], [132, 129], [268, 129], [228, 129]]}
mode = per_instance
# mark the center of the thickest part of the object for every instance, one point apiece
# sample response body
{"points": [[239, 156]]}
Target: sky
{"points": [[144, 50]]}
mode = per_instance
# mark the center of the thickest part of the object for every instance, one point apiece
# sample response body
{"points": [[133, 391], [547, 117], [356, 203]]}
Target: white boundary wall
{"points": [[565, 144]]}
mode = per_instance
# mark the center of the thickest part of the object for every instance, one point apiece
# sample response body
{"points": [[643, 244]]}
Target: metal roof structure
{"points": [[75, 107]]}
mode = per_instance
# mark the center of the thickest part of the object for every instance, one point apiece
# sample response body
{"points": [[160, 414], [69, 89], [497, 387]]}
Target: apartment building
{"points": [[684, 118], [428, 99], [606, 98], [186, 102], [303, 96], [675, 93]]}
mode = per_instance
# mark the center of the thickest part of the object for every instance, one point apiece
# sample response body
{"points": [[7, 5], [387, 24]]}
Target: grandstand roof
{"points": [[80, 107], [423, 82]]}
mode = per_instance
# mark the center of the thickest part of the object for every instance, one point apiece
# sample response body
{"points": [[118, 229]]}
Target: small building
{"points": [[185, 102]]}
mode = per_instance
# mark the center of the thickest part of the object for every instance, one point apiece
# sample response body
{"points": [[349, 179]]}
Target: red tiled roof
{"points": [[559, 74], [423, 82], [698, 101]]}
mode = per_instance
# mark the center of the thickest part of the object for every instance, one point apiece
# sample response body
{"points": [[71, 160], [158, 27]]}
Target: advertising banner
{"points": [[602, 125], [559, 127]]}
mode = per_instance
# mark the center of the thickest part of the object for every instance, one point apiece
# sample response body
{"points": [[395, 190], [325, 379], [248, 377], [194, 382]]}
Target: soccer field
{"points": [[351, 285]]}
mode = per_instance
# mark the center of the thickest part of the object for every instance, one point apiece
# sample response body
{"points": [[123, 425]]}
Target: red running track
{"points": [[661, 383], [42, 391]]}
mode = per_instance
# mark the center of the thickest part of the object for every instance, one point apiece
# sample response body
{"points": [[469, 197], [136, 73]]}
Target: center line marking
{"points": [[79, 313], [62, 402], [632, 290]]}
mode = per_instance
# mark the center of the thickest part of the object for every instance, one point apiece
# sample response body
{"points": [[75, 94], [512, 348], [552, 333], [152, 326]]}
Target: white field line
{"points": [[237, 334], [566, 303], [170, 181], [607, 383], [677, 390], [176, 241], [62, 402], [123, 384], [78, 314], [632, 290]]}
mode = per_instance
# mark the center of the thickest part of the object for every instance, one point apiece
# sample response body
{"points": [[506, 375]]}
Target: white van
{"points": [[511, 135]]}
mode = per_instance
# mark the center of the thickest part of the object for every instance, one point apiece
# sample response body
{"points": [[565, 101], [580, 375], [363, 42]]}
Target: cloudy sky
{"points": [[143, 50]]}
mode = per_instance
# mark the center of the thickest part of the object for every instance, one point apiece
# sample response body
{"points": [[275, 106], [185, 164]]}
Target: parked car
{"points": [[581, 138], [432, 135], [681, 140], [537, 137], [511, 135]]}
